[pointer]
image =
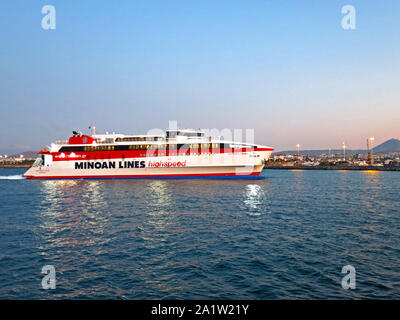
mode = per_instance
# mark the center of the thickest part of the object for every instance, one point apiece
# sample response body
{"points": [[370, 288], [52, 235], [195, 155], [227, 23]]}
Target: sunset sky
{"points": [[286, 69]]}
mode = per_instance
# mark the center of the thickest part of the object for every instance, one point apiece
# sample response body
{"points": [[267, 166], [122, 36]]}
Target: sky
{"points": [[286, 69]]}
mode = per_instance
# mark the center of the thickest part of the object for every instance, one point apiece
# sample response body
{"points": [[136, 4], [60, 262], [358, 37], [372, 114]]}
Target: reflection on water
{"points": [[160, 213], [73, 220], [372, 178], [370, 200], [159, 193], [254, 200], [94, 196], [298, 177], [72, 214]]}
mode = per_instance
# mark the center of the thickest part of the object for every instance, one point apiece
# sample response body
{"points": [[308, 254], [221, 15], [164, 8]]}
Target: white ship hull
{"points": [[157, 167]]}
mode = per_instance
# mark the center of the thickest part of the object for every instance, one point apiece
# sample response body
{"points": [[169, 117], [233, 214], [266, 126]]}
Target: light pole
{"points": [[372, 149], [344, 150], [298, 152]]}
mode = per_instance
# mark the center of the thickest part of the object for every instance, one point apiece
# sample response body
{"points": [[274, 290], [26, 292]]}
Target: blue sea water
{"points": [[286, 236]]}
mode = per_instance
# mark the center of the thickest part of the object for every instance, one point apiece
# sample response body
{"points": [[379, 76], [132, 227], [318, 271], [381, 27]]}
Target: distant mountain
{"points": [[321, 151], [391, 145], [26, 154]]}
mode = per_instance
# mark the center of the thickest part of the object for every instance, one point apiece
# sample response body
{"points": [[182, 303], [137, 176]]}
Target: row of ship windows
{"points": [[98, 148], [159, 154], [139, 139], [146, 147]]}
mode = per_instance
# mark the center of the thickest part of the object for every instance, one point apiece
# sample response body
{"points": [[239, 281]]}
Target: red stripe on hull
{"points": [[147, 176]]}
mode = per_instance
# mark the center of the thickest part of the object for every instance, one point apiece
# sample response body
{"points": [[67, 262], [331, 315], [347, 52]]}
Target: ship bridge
{"points": [[184, 134]]}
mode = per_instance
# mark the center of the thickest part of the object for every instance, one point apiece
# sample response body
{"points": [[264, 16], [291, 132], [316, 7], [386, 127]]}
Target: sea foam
{"points": [[14, 177]]}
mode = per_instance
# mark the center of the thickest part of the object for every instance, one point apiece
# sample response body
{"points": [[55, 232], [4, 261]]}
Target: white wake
{"points": [[14, 177]]}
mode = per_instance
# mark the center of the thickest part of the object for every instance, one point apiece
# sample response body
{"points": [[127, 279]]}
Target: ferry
{"points": [[179, 153]]}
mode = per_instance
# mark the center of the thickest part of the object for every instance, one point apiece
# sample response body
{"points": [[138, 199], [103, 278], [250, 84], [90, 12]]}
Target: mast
{"points": [[93, 129]]}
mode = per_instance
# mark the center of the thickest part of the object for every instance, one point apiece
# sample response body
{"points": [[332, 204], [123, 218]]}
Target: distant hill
{"points": [[26, 154], [321, 151], [392, 145]]}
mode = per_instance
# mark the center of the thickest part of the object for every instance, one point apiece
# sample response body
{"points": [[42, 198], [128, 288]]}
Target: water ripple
{"points": [[287, 236]]}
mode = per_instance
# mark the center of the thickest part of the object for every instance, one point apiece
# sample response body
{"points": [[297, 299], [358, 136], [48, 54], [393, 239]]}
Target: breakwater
{"points": [[16, 164]]}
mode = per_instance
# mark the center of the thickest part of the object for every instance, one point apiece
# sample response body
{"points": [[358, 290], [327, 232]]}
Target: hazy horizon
{"points": [[294, 149], [287, 70]]}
